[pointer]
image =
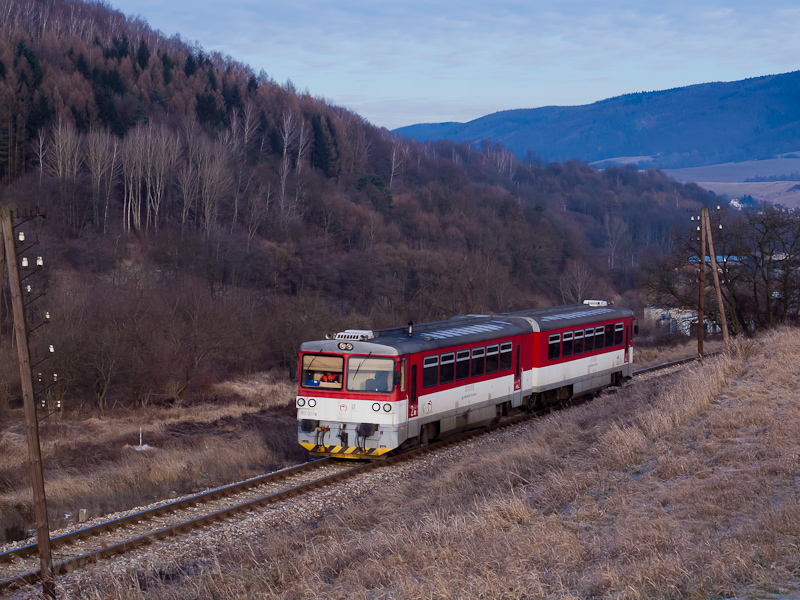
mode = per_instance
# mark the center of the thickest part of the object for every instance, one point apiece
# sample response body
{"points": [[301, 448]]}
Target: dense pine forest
{"points": [[202, 220]]}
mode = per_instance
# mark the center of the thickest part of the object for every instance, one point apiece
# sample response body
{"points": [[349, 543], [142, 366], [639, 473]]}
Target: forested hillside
{"points": [[696, 125], [203, 220]]}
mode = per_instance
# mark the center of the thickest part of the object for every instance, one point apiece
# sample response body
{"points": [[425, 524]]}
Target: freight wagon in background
{"points": [[364, 393]]}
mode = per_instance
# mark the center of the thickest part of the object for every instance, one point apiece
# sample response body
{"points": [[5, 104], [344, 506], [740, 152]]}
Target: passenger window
{"points": [[447, 370], [477, 361], [577, 344], [554, 347], [430, 371], [505, 356], [462, 364], [619, 333], [588, 342], [566, 347], [598, 338], [492, 359], [609, 335]]}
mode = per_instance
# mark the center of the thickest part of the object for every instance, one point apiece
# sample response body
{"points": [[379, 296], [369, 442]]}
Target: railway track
{"points": [[75, 549]]}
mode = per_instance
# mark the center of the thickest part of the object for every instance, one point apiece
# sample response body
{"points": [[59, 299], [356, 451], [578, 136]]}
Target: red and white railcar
{"points": [[364, 393]]}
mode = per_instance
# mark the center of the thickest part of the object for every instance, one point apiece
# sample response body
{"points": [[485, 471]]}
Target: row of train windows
{"points": [[452, 366], [588, 340]]}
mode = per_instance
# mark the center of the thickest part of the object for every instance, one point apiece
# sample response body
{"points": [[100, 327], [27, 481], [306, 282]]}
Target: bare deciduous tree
{"points": [[102, 161], [63, 161], [163, 155], [214, 179], [133, 167], [258, 204], [288, 134], [576, 282], [615, 233]]}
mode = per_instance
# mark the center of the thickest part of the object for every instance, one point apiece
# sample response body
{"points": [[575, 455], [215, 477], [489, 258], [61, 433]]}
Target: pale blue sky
{"points": [[405, 62]]}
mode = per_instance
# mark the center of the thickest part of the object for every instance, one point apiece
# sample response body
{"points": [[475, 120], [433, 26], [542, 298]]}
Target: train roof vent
{"points": [[596, 302], [354, 334]]}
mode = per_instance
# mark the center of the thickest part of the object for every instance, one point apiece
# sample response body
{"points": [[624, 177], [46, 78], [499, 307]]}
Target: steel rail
{"points": [[673, 363], [189, 501]]}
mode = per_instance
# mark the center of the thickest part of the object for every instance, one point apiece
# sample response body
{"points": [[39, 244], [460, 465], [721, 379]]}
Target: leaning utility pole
{"points": [[31, 420], [702, 300], [706, 224]]}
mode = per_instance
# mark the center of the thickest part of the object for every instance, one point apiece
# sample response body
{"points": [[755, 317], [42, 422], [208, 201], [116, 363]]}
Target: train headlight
{"points": [[387, 407], [312, 403], [376, 406], [301, 402], [345, 346]]}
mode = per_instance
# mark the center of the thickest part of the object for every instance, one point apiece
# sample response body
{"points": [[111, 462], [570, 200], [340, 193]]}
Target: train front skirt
{"points": [[346, 451]]}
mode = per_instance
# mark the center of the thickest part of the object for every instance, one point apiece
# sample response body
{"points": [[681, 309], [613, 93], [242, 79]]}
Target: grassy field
{"points": [[684, 487], [247, 429], [730, 179]]}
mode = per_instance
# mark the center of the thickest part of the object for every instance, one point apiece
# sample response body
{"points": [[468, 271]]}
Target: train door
{"points": [[517, 399], [627, 334], [413, 399]]}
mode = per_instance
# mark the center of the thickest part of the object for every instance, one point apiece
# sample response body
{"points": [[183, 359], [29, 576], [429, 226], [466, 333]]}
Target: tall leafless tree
{"points": [[616, 229], [63, 161], [215, 182], [576, 282], [101, 156]]}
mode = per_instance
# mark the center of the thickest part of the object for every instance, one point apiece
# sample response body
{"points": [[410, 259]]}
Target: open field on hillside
{"points": [[681, 487], [729, 179], [775, 192], [737, 171]]}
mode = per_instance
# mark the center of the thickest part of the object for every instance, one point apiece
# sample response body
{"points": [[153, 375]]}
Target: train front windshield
{"points": [[366, 374], [322, 371]]}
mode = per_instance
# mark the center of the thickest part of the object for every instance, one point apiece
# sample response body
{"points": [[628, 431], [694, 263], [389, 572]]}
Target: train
{"points": [[363, 394]]}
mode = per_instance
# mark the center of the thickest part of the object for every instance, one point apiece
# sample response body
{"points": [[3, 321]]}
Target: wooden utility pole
{"points": [[702, 300], [707, 228], [2, 278], [31, 420]]}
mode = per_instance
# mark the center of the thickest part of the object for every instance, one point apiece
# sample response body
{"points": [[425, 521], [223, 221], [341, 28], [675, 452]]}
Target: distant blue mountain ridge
{"points": [[702, 124]]}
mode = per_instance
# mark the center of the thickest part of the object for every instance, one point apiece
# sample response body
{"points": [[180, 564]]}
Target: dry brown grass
{"points": [[263, 387], [94, 463], [686, 487], [649, 356]]}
